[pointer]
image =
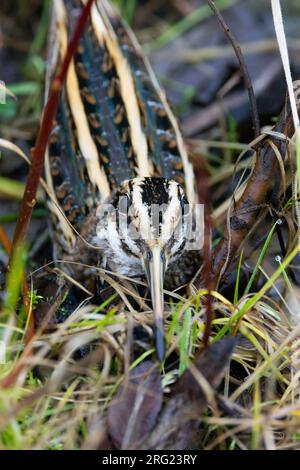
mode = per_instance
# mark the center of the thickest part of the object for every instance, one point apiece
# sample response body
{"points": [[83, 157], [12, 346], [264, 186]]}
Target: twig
{"points": [[5, 241], [246, 210], [38, 153], [243, 67], [20, 365]]}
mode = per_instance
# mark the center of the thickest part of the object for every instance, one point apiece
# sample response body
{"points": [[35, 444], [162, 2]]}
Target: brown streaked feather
{"points": [[166, 148], [113, 123]]}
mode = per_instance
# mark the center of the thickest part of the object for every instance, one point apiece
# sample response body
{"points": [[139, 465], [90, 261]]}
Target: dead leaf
{"points": [[133, 412], [179, 421]]}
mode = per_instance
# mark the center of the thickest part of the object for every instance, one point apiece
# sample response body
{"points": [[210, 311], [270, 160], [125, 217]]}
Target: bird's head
{"points": [[143, 231]]}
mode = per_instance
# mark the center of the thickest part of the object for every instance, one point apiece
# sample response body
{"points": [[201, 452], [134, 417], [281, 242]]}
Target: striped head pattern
{"points": [[145, 212], [145, 228]]}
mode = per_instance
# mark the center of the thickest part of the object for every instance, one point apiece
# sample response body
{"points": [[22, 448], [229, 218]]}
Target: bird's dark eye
{"points": [[149, 255]]}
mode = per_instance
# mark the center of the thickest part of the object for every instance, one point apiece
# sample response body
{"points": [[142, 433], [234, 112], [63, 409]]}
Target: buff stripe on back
{"points": [[108, 10], [86, 144], [106, 34]]}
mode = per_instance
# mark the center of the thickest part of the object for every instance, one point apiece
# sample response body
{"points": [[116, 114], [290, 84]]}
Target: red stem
{"points": [[38, 153], [7, 245]]}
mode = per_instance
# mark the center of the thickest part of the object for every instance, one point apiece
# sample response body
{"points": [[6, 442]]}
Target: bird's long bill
{"points": [[155, 267]]}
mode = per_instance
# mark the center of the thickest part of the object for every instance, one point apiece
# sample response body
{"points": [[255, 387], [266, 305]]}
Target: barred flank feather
{"points": [[113, 122]]}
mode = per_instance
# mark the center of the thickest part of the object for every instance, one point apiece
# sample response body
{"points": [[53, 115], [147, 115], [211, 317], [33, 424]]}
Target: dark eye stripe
{"points": [[128, 250]]}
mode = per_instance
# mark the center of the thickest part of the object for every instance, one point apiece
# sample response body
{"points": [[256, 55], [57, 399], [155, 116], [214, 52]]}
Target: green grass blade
{"points": [[237, 282], [187, 23], [260, 258], [184, 341], [14, 279], [251, 302]]}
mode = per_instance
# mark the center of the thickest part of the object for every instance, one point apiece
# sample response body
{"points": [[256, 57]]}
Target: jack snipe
{"points": [[117, 159]]}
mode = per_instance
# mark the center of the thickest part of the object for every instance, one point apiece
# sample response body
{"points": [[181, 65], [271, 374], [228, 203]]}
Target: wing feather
{"points": [[113, 122]]}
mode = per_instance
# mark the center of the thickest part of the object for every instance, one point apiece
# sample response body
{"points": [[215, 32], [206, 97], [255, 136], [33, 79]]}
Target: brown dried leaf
{"points": [[178, 425], [211, 364], [133, 412]]}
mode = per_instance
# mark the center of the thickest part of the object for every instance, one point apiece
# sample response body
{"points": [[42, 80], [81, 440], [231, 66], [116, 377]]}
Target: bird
{"points": [[122, 187]]}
